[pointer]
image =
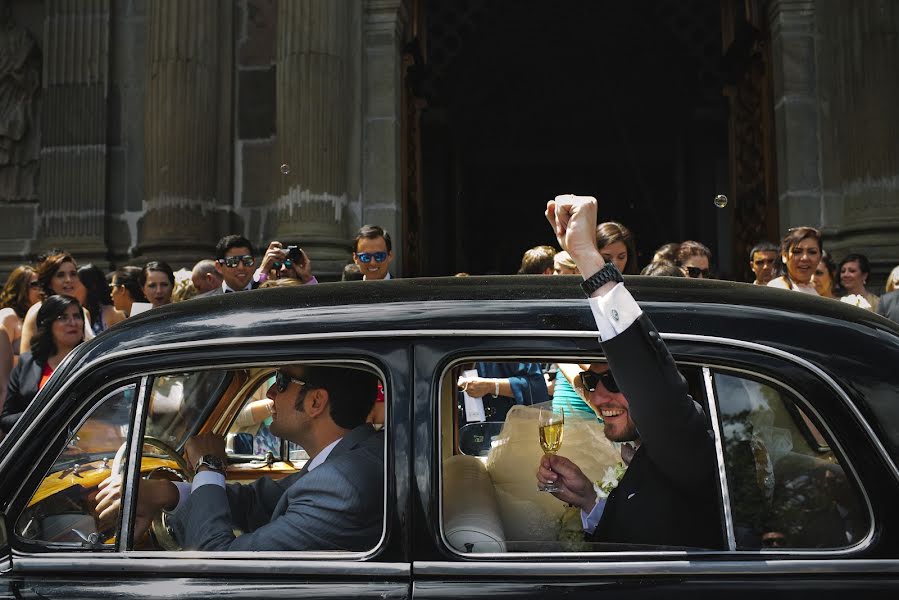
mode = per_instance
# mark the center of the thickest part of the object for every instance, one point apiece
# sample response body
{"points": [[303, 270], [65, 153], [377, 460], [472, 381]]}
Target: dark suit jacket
{"points": [[889, 305], [21, 390], [339, 505], [669, 494]]}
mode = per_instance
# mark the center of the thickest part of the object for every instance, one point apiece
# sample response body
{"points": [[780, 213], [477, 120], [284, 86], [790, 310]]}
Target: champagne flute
{"points": [[549, 424]]}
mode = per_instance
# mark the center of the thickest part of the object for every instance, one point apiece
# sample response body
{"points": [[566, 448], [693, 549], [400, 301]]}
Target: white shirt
{"points": [[781, 283]]}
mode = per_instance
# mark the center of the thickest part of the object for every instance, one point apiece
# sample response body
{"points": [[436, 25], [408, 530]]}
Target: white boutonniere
{"points": [[609, 481], [856, 300]]}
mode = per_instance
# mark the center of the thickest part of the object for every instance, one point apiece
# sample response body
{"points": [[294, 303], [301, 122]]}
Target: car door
{"points": [[137, 411], [803, 491]]}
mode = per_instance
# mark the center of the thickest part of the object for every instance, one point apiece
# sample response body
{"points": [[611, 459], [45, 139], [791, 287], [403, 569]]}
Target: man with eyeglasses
{"points": [[335, 502], [373, 252], [763, 262], [235, 262], [668, 494]]}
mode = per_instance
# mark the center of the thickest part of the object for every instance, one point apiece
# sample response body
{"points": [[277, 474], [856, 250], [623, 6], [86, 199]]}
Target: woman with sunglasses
{"points": [[60, 328], [57, 273], [694, 259], [800, 251]]}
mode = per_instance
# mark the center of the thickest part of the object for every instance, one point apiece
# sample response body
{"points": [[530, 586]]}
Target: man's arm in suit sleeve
{"points": [[668, 421]]}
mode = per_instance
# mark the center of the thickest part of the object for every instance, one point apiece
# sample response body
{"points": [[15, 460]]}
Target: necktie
{"points": [[627, 453]]}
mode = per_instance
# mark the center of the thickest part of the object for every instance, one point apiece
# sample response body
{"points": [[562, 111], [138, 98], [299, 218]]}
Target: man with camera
{"points": [[235, 259]]}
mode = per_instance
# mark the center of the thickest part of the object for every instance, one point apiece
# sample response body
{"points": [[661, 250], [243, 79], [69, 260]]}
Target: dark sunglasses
{"points": [[695, 272], [35, 285], [283, 380], [589, 379], [366, 257], [233, 261]]}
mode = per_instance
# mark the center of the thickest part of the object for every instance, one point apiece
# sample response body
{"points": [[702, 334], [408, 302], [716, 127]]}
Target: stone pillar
{"points": [[792, 25], [181, 130], [858, 93], [382, 176], [314, 94], [74, 126]]}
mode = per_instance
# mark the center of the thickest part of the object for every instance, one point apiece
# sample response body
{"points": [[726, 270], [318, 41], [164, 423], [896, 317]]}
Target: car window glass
{"points": [[249, 436], [787, 487], [61, 511], [178, 401], [272, 502]]}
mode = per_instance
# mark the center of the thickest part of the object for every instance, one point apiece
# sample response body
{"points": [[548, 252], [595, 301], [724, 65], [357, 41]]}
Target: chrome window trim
{"points": [[719, 453], [132, 474], [528, 570], [192, 563], [302, 555]]}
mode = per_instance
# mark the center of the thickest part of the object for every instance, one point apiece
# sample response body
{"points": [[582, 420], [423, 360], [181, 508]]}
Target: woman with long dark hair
{"points": [[60, 328], [97, 299], [21, 291], [854, 270], [157, 281], [800, 251], [616, 244]]}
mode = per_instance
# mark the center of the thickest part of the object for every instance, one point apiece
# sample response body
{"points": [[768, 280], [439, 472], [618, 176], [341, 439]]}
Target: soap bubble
{"points": [[720, 200], [285, 169]]}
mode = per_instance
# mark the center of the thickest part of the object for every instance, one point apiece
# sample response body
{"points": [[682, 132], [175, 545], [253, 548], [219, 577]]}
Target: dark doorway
{"points": [[529, 99]]}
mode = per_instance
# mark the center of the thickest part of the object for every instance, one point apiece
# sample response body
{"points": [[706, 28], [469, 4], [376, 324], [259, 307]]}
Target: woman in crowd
{"points": [[616, 244], [563, 264], [60, 328], [825, 276], [666, 252], [800, 251], [892, 281], [97, 299], [21, 292], [125, 289], [57, 274], [854, 271], [694, 259], [157, 281]]}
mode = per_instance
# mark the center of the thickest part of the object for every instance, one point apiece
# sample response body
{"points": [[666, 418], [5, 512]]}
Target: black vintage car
{"points": [[801, 394]]}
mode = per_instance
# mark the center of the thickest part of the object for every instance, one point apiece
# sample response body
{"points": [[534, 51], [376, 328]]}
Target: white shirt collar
{"points": [[321, 456], [227, 288]]}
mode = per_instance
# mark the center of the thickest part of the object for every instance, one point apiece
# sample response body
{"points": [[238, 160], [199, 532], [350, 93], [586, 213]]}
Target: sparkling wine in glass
{"points": [[550, 424]]}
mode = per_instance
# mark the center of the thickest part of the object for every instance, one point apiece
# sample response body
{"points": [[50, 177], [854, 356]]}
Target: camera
{"points": [[294, 253]]}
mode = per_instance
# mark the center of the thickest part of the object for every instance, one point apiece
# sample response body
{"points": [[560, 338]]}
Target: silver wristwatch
{"points": [[211, 462]]}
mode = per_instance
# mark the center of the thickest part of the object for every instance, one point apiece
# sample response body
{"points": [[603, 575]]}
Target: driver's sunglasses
{"points": [[589, 379], [366, 257], [695, 272], [283, 380], [233, 261]]}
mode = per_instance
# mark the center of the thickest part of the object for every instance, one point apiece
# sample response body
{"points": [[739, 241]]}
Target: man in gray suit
{"points": [[889, 305], [334, 503]]}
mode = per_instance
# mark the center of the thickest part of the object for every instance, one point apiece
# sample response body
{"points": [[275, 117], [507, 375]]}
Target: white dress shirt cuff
{"points": [[591, 520], [208, 478], [614, 312], [183, 493]]}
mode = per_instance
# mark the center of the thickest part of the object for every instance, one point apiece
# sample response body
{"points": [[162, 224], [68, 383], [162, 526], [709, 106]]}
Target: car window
{"points": [[60, 513], [270, 501], [788, 488]]}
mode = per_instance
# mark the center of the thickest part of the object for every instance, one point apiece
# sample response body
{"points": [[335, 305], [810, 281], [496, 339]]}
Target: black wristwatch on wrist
{"points": [[211, 462], [606, 274]]}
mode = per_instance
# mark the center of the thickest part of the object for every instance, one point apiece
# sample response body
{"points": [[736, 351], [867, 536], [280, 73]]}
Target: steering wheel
{"points": [[160, 529]]}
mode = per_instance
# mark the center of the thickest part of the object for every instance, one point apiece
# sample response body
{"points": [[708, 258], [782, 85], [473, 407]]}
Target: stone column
{"points": [[858, 93], [314, 111], [74, 124], [792, 25], [382, 176], [181, 130]]}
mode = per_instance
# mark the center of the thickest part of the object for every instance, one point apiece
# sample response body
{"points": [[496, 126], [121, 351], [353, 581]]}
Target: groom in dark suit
{"points": [[334, 503], [668, 496]]}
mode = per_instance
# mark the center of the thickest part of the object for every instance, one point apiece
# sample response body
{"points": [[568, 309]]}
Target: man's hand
{"points": [[303, 268], [576, 489], [274, 254], [203, 444], [573, 219], [153, 496], [477, 387]]}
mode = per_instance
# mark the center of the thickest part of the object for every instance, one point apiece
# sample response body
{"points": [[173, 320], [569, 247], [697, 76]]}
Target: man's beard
{"points": [[628, 434]]}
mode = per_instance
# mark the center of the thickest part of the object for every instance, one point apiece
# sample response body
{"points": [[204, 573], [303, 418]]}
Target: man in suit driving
{"points": [[334, 503], [668, 495]]}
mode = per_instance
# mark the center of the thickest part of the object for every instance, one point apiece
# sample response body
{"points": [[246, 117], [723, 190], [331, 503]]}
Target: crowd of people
{"points": [[42, 304]]}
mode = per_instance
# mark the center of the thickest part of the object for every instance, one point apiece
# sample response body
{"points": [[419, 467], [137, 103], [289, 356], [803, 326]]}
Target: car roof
{"points": [[491, 303]]}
